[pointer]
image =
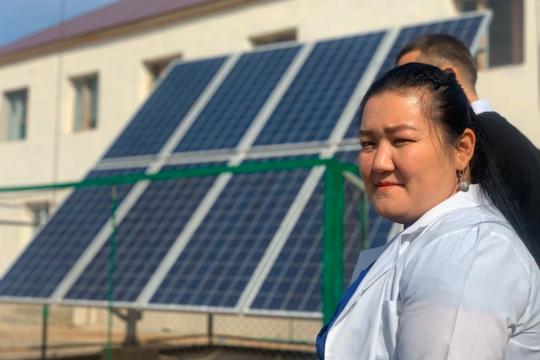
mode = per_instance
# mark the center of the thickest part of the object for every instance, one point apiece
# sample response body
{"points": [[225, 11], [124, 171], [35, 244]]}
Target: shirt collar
{"points": [[480, 106], [459, 200]]}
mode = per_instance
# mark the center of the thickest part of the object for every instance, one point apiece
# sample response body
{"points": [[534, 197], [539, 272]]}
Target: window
{"points": [[39, 214], [506, 32], [86, 102], [273, 38], [505, 41], [157, 66], [14, 115]]}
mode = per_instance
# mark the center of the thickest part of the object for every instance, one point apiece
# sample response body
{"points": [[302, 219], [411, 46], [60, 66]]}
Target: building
{"points": [[69, 90]]}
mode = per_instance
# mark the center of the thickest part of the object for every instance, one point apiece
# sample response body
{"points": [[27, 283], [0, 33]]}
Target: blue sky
{"points": [[19, 18]]}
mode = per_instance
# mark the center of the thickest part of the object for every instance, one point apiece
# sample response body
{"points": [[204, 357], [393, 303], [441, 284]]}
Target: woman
{"points": [[458, 282]]}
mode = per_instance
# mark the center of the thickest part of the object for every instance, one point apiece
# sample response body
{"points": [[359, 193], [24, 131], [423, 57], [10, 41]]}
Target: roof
{"points": [[118, 14]]}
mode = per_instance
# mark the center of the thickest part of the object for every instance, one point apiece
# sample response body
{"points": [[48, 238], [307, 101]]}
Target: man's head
{"points": [[447, 53]]}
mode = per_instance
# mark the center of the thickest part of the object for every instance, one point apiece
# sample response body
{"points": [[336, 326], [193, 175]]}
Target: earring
{"points": [[463, 184]]}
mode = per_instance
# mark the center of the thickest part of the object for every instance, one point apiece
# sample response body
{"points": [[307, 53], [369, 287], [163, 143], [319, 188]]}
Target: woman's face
{"points": [[405, 169]]}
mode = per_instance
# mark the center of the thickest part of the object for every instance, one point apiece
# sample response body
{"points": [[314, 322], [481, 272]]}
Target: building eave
{"points": [[122, 30]]}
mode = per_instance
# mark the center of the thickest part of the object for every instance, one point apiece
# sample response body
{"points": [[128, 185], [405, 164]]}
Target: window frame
{"points": [[274, 37], [40, 213], [15, 116], [85, 102], [156, 67], [491, 54]]}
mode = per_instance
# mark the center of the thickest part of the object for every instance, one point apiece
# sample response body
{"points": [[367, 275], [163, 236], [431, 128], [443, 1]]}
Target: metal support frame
{"points": [[130, 317], [364, 220], [210, 329], [363, 209]]}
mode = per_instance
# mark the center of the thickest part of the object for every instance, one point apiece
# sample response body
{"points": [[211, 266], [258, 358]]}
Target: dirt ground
{"points": [[162, 336]]}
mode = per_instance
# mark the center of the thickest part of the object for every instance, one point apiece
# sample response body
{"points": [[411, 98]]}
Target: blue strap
{"points": [[323, 333]]}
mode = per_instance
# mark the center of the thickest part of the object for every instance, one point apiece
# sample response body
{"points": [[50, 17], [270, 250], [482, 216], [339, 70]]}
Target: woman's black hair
{"points": [[447, 106]]}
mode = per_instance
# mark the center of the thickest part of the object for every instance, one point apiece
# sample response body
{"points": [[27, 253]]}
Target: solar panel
{"points": [[294, 282], [241, 96], [379, 229], [465, 29], [315, 100], [143, 238], [220, 258], [165, 108], [256, 244], [59, 244]]}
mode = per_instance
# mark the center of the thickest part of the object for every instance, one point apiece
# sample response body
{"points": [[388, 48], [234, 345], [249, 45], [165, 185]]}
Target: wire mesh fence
{"points": [[82, 332], [111, 299]]}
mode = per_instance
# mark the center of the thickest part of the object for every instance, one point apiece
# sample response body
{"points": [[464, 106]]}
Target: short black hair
{"points": [[447, 47]]}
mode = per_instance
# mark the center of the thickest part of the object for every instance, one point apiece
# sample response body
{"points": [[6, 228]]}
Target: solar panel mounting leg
{"points": [[210, 329], [130, 317], [44, 331]]}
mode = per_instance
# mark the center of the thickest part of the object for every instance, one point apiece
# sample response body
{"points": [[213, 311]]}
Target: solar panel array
{"points": [[243, 242]]}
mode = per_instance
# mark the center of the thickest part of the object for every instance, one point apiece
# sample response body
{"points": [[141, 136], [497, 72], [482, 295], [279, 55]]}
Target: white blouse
{"points": [[457, 284]]}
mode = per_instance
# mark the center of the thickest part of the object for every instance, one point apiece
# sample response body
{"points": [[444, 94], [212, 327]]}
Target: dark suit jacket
{"points": [[519, 163]]}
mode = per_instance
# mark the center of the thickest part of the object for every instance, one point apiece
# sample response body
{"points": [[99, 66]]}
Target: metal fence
{"points": [[54, 329]]}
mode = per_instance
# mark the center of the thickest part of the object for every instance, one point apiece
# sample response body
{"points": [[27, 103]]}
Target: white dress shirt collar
{"points": [[480, 106], [459, 200]]}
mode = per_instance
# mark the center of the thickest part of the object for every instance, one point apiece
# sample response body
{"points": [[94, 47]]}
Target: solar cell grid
{"points": [[294, 275], [151, 127], [464, 29], [143, 238], [60, 243], [220, 258], [380, 228], [294, 282], [313, 103], [238, 100]]}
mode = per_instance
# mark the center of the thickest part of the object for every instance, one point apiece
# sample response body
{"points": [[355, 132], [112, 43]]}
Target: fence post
{"points": [[44, 331], [112, 269], [333, 278]]}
